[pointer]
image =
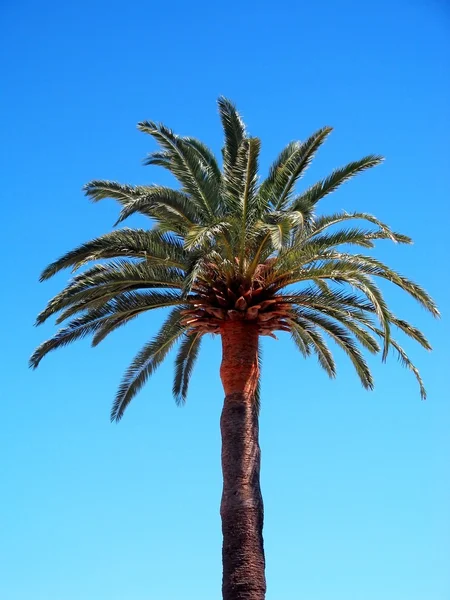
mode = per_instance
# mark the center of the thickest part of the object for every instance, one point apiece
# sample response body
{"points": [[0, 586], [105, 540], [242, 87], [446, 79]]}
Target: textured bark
{"points": [[242, 506]]}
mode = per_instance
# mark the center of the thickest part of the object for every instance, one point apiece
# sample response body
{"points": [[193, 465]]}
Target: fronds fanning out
{"points": [[229, 246]]}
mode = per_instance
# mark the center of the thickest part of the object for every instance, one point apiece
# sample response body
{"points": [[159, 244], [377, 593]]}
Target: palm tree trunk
{"points": [[242, 506]]}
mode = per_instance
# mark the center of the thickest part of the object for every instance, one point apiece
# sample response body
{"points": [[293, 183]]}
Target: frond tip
{"points": [[184, 364], [146, 362]]}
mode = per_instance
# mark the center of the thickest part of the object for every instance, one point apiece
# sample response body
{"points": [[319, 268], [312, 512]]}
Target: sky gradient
{"points": [[356, 484]]}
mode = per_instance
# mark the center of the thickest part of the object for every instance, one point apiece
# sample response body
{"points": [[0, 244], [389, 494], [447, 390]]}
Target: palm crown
{"points": [[225, 246]]}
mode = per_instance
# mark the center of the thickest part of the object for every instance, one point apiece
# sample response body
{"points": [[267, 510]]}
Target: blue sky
{"points": [[356, 484]]}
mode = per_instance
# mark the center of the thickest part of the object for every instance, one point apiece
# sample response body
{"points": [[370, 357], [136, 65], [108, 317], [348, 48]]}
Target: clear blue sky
{"points": [[356, 484]]}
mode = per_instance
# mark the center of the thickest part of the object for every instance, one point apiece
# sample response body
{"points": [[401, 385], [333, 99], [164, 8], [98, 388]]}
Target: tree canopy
{"points": [[227, 245]]}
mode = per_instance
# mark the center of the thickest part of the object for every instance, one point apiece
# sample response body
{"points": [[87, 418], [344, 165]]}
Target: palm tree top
{"points": [[226, 246]]}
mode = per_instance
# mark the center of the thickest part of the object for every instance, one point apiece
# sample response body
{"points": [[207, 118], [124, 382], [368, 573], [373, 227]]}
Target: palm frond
{"points": [[112, 278], [279, 233], [409, 365], [184, 365], [123, 306], [315, 246], [300, 339], [146, 362], [152, 246], [319, 224], [111, 325], [77, 329], [272, 187], [100, 189], [248, 208], [411, 332], [323, 299], [311, 197], [345, 341], [157, 197], [371, 266], [242, 185], [351, 318], [186, 165], [158, 159], [296, 165], [406, 362], [204, 236], [374, 295], [234, 131], [312, 337], [344, 273], [206, 156]]}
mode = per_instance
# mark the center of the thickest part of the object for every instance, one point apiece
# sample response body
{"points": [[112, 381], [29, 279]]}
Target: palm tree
{"points": [[239, 258]]}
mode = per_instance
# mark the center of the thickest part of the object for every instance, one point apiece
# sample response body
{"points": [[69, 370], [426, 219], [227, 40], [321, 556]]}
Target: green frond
{"points": [[158, 159], [348, 273], [409, 365], [131, 302], [177, 203], [146, 362], [79, 328], [260, 248], [280, 233], [250, 179], [272, 236], [123, 305], [322, 351], [185, 164], [206, 156], [240, 180], [111, 325], [322, 285], [242, 186], [371, 266], [272, 187], [234, 132], [328, 185], [199, 271], [204, 236], [327, 298], [313, 246], [184, 365], [406, 362], [311, 268], [112, 278], [76, 329], [351, 318], [345, 341], [312, 337], [169, 220], [296, 165], [321, 223], [134, 243], [300, 340], [324, 241], [274, 233], [374, 295], [100, 189], [411, 332]]}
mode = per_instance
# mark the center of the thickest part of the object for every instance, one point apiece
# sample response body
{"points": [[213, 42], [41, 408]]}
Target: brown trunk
{"points": [[242, 506]]}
